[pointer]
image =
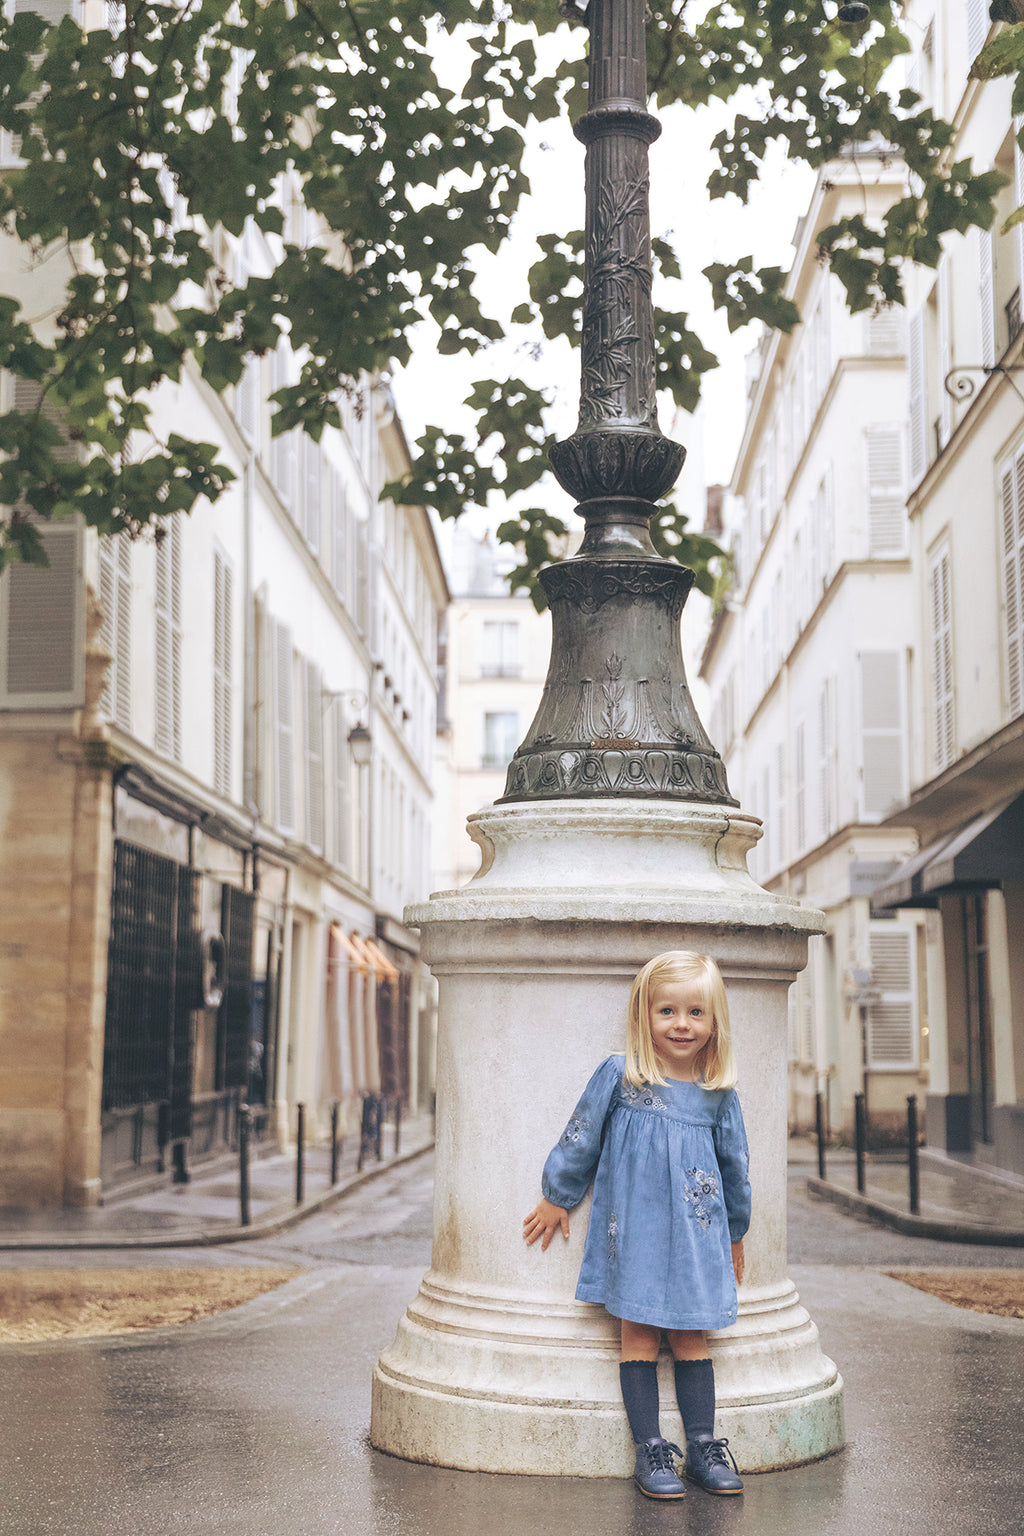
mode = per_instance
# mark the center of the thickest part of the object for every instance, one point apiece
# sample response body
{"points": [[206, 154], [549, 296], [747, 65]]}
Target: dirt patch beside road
{"points": [[88, 1303], [996, 1291]]}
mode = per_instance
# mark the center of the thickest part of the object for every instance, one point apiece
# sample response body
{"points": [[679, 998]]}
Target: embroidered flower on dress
{"points": [[573, 1131], [697, 1194], [645, 1095], [613, 1233]]}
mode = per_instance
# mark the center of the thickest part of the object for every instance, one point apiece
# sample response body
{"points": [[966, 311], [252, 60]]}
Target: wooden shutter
{"points": [[115, 560], [313, 756], [167, 731], [1012, 505], [284, 728], [918, 401], [781, 851], [800, 786], [886, 507], [341, 800], [41, 626], [340, 555], [249, 402], [892, 1021], [362, 582], [311, 492], [986, 295], [883, 731], [943, 693], [222, 672], [827, 758], [977, 28], [884, 331]]}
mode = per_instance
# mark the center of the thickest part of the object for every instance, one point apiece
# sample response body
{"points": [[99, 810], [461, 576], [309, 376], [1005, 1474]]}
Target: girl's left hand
{"points": [[739, 1262]]}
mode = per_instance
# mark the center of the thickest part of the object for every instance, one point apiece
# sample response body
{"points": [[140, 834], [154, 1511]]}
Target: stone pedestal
{"points": [[495, 1366]]}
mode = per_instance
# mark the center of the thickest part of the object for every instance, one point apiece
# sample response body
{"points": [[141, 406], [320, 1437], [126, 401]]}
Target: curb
{"points": [[202, 1237], [913, 1226]]}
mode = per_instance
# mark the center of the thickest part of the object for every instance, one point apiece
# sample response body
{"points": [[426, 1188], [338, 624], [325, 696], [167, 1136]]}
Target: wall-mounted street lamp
{"points": [[360, 739]]}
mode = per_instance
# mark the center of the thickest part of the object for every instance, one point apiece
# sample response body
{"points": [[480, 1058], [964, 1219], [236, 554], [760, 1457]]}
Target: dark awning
{"points": [[989, 850], [979, 855]]}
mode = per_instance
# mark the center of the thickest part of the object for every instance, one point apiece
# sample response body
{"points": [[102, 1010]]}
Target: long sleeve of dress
{"points": [[572, 1163], [730, 1139]]}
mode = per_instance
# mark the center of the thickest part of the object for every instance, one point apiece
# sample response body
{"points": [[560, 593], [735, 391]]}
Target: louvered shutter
{"points": [[977, 27], [311, 498], [827, 758], [892, 1021], [800, 786], [986, 296], [167, 731], [362, 582], [222, 672], [313, 751], [1012, 507], [340, 558], [249, 402], [943, 698], [115, 561], [918, 404], [883, 731], [945, 351], [884, 331], [284, 731], [341, 808], [41, 626], [886, 514]]}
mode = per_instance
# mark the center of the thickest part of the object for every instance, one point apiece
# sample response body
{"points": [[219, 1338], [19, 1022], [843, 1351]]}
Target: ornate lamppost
{"points": [[617, 717], [617, 838]]}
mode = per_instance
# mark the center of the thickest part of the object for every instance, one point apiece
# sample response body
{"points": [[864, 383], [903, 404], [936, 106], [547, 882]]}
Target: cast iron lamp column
{"points": [[617, 838], [616, 716]]}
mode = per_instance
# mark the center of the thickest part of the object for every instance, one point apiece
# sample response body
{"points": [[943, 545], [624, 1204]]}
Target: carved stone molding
{"points": [[569, 772]]}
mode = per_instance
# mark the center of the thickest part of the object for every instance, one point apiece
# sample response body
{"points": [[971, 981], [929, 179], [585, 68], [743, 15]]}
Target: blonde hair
{"points": [[715, 1067]]}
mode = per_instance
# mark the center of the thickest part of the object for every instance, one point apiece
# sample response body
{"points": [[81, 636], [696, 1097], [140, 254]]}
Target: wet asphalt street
{"points": [[254, 1423]]}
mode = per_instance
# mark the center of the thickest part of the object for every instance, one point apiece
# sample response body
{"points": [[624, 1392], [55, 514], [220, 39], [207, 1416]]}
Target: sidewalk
{"points": [[958, 1203], [207, 1209]]}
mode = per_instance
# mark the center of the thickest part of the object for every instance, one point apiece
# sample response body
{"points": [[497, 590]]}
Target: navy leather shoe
{"points": [[708, 1465], [655, 1470]]}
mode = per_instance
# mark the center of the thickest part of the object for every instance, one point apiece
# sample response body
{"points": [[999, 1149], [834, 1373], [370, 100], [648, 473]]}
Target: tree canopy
{"points": [[141, 137]]}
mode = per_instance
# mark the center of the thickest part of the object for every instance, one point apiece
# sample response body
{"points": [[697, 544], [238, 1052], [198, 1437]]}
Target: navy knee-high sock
{"points": [[639, 1382], [695, 1394]]}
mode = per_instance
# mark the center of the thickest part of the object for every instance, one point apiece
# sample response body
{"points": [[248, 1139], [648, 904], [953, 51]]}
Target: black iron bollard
{"points": [[244, 1124], [300, 1155], [335, 1145], [913, 1168], [398, 1126], [860, 1137], [819, 1126]]}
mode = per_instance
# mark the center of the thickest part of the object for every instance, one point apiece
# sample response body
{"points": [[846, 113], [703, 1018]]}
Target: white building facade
{"points": [[966, 514], [809, 665], [216, 763]]}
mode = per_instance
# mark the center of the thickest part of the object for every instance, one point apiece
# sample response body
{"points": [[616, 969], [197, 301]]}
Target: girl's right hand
{"points": [[544, 1223]]}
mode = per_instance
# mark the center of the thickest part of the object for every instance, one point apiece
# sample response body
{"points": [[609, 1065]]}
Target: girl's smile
{"points": [[680, 1026]]}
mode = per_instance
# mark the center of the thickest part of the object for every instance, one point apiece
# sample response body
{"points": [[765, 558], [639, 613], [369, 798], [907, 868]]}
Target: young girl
{"points": [[662, 1127]]}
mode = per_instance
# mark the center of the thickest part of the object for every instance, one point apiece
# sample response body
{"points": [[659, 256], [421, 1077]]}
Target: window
{"points": [[886, 520], [341, 799], [940, 604], [282, 663], [883, 732], [918, 397], [884, 331], [892, 1020], [311, 492], [167, 732], [500, 649], [828, 757], [501, 738], [222, 669], [313, 756], [116, 629], [1012, 506], [41, 626], [800, 785]]}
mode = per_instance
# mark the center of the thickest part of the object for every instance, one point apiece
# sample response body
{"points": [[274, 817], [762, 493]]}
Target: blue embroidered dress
{"points": [[669, 1168]]}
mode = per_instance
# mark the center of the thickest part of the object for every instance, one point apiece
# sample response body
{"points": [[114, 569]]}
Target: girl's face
{"points": [[680, 1026]]}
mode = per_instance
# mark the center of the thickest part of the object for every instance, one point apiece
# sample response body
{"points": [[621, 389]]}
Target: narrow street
{"points": [[254, 1423]]}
